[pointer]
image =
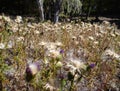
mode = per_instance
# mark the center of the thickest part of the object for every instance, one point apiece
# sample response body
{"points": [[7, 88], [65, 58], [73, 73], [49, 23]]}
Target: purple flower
{"points": [[28, 70], [92, 65], [61, 51]]}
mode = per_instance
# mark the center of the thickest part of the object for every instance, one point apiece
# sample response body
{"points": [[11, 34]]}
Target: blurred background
{"points": [[82, 9]]}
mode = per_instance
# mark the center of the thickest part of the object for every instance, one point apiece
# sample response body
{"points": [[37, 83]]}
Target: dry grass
{"points": [[72, 57]]}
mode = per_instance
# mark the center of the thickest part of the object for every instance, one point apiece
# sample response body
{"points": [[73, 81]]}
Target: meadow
{"points": [[64, 56]]}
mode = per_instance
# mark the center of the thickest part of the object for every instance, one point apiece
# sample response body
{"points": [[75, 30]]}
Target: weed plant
{"points": [[70, 56]]}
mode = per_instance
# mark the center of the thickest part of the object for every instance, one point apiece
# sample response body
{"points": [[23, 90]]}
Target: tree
{"points": [[50, 9], [41, 10], [71, 7], [98, 9], [57, 7], [89, 9]]}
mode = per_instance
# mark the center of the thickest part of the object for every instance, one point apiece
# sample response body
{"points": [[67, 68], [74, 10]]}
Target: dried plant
{"points": [[58, 57]]}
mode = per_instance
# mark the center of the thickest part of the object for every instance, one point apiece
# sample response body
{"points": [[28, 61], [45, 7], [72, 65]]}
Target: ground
{"points": [[70, 56]]}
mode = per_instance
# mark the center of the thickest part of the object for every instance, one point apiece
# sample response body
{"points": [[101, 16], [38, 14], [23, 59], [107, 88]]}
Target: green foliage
{"points": [[71, 6]]}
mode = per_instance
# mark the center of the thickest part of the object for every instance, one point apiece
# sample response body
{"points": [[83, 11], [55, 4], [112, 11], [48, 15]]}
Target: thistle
{"points": [[31, 70]]}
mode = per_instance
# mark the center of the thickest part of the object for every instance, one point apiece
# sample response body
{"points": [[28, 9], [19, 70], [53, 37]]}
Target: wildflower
{"points": [[42, 43], [31, 70], [18, 19], [96, 42], [54, 54], [2, 46], [117, 33], [36, 32], [78, 64], [58, 43], [49, 87], [61, 51], [6, 18], [70, 53], [74, 37], [89, 29], [89, 25], [103, 32], [106, 22], [20, 39], [110, 54], [59, 64], [10, 44], [72, 69], [50, 46], [63, 27], [92, 65], [91, 38], [15, 28], [76, 42], [112, 34]]}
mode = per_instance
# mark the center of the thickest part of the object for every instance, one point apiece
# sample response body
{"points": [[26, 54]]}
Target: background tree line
{"points": [[52, 9]]}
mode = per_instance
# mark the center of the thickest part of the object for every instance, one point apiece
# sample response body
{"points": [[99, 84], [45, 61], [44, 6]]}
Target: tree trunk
{"points": [[98, 9], [41, 10], [57, 7], [88, 10]]}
